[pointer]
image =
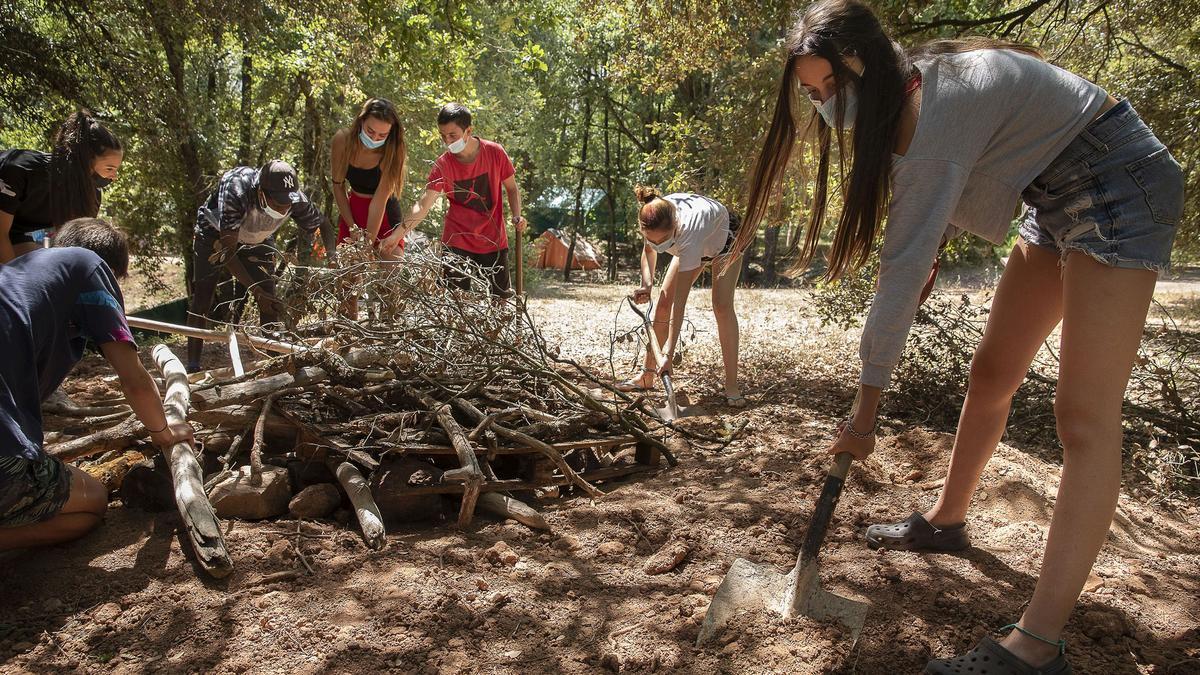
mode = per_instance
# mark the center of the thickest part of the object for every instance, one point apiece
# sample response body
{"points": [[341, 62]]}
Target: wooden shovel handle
{"points": [[823, 512], [519, 237]]}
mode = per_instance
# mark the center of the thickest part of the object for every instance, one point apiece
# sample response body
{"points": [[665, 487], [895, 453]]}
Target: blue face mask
{"points": [[370, 142]]}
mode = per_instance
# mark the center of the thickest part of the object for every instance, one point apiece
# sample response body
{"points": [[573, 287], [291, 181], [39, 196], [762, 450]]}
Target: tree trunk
{"points": [[587, 128], [247, 111], [178, 113], [770, 251], [612, 203]]}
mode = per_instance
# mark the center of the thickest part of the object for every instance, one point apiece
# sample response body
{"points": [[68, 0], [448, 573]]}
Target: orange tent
{"points": [[552, 252]]}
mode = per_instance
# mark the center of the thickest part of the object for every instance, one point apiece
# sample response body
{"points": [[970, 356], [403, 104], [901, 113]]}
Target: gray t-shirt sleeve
{"points": [[924, 196]]}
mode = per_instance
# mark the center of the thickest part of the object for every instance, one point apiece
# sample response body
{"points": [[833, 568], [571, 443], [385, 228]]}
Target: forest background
{"points": [[589, 98]]}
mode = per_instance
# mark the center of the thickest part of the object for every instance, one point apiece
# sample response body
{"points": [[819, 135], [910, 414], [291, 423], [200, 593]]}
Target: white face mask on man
{"points": [[457, 146]]}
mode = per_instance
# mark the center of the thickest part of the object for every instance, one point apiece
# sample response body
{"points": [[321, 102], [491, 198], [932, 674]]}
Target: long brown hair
{"points": [[832, 30], [394, 163], [78, 143]]}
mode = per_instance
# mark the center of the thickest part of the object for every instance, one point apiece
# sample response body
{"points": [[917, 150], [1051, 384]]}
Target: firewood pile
{"points": [[396, 389]]}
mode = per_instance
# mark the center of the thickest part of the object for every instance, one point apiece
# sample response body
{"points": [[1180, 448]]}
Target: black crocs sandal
{"points": [[989, 658], [916, 534]]}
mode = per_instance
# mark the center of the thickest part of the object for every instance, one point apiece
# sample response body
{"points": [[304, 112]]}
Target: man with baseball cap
{"points": [[235, 231]]}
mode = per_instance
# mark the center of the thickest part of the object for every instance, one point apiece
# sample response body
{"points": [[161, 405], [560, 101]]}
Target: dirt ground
{"points": [[127, 599]]}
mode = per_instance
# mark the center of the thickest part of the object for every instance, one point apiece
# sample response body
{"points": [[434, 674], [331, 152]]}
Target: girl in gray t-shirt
{"points": [[694, 229], [949, 137]]}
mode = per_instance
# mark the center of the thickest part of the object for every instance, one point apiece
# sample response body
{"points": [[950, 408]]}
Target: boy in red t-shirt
{"points": [[469, 174]]}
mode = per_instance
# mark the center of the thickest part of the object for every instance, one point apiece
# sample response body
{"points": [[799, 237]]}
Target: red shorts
{"points": [[360, 206]]}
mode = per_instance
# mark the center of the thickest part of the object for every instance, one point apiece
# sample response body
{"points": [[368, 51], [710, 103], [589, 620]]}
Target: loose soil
{"points": [[128, 599]]}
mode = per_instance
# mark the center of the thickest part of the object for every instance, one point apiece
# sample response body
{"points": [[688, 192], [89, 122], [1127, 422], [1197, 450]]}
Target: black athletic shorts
{"points": [[495, 270]]}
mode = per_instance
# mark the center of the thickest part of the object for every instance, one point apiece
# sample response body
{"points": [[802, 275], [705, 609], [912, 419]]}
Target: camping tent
{"points": [[552, 252]]}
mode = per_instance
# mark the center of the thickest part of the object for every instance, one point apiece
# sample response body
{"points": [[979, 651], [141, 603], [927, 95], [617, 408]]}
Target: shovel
{"points": [[748, 586], [673, 411]]}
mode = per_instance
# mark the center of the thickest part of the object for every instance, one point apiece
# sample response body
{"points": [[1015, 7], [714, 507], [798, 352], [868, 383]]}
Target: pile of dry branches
{"points": [[404, 387]]}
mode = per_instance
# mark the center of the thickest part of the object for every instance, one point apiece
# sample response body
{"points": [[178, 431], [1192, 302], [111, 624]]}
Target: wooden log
{"points": [[565, 427], [244, 392], [260, 428], [203, 529], [61, 404], [516, 485], [369, 518], [546, 449], [212, 335], [121, 436], [562, 446], [112, 472], [507, 507], [468, 473]]}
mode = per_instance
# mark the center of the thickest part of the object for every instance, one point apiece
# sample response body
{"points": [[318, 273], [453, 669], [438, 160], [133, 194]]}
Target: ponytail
{"points": [[645, 194], [79, 141]]}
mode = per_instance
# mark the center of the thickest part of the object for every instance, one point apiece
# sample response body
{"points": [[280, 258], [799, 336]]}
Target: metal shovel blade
{"points": [[674, 411], [749, 586]]}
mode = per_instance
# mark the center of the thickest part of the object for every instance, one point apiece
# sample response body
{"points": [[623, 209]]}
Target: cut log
{"points": [[121, 436], [199, 519], [251, 390], [369, 518], [468, 473], [211, 335], [508, 507], [112, 473], [61, 404], [546, 449]]}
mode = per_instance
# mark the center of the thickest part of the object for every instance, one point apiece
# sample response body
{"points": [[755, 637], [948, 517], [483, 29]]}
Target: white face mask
{"points": [[457, 146], [664, 246], [275, 215], [828, 109]]}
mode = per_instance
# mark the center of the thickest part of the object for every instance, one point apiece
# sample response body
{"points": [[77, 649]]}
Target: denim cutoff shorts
{"points": [[1115, 193]]}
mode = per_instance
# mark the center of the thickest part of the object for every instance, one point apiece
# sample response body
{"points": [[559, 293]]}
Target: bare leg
{"points": [[82, 513], [661, 321], [727, 325], [1104, 311], [1027, 306]]}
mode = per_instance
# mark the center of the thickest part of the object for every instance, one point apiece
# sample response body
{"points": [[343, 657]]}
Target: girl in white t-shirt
{"points": [[694, 229]]}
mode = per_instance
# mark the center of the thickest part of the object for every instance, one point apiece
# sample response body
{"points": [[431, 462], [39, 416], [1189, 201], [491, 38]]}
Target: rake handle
{"points": [[826, 503]]}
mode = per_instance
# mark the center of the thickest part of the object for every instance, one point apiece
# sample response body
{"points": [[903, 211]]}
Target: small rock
{"points": [[52, 605], [610, 661], [236, 497], [315, 501], [567, 543], [482, 584], [730, 648], [1093, 583], [106, 612], [1098, 624], [914, 476], [611, 548], [667, 558], [501, 553], [890, 573]]}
